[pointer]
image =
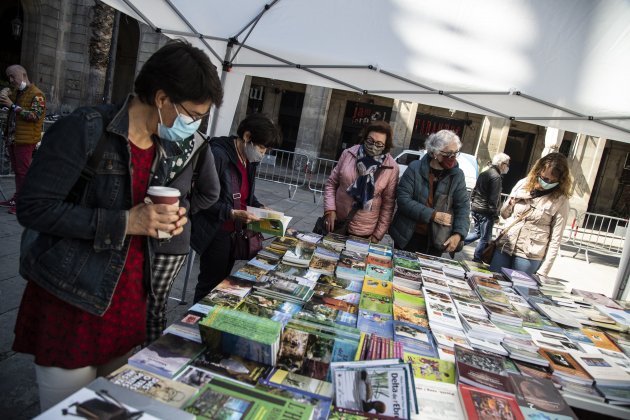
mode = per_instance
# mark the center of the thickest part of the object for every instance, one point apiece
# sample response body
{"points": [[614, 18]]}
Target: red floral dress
{"points": [[61, 335]]}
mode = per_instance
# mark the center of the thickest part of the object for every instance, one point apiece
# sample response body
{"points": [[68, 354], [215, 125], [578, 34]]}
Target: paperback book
{"points": [[228, 366], [482, 404], [166, 356], [539, 398]]}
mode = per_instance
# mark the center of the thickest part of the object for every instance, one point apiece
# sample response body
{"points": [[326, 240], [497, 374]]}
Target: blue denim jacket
{"points": [[81, 248]]}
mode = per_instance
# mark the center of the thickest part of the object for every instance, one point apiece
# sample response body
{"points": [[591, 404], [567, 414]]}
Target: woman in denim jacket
{"points": [[84, 306]]}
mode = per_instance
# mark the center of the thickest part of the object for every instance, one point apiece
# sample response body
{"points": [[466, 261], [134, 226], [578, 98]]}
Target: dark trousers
{"points": [[482, 230], [421, 243], [215, 264]]}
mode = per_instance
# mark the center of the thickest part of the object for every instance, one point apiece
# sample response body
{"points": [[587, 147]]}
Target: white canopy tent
{"points": [[561, 63]]}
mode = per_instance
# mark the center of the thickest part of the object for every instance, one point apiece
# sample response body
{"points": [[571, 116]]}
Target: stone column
{"points": [[492, 138], [403, 118], [586, 154], [313, 120], [553, 139]]}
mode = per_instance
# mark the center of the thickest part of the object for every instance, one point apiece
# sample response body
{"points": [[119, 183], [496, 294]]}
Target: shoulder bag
{"points": [[488, 251], [245, 242]]}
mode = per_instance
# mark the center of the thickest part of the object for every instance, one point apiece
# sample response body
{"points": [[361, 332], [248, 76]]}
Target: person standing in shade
{"points": [[539, 205], [25, 121], [236, 158], [484, 202]]}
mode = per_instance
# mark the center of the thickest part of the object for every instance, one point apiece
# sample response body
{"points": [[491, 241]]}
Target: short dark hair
{"points": [[183, 72], [262, 129], [379, 126]]}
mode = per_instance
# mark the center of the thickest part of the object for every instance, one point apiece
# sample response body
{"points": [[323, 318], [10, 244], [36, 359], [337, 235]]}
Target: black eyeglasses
{"points": [[370, 140], [195, 117], [449, 154]]}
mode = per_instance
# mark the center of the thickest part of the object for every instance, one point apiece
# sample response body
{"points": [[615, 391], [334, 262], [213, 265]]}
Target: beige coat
{"points": [[538, 236]]}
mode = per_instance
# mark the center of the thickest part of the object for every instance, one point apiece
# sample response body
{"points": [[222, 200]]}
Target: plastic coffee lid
{"points": [[163, 191]]}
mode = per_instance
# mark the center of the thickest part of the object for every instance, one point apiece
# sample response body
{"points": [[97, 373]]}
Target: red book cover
{"points": [[481, 404]]}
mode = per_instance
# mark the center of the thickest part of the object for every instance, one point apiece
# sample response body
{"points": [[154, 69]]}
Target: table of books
{"points": [[336, 327]]}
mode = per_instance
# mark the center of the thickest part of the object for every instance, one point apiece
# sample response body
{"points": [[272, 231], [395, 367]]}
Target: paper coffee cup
{"points": [[162, 195]]}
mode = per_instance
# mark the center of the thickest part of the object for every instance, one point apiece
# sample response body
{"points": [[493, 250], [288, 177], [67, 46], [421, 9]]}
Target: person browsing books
{"points": [[85, 247], [360, 193], [236, 158], [536, 214], [437, 173]]}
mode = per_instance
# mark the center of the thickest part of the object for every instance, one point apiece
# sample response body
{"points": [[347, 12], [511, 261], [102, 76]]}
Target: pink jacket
{"points": [[365, 223]]}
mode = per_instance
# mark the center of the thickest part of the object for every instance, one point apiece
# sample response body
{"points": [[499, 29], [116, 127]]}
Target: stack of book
{"points": [[519, 278], [357, 244], [242, 334], [299, 254], [335, 241], [324, 260], [351, 266], [375, 347], [166, 356], [297, 290], [482, 370]]}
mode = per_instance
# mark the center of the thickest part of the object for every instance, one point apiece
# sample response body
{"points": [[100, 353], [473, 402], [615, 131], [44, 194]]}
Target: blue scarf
{"points": [[362, 189]]}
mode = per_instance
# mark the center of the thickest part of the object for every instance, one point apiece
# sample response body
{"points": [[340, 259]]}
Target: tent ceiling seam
{"points": [[253, 24]]}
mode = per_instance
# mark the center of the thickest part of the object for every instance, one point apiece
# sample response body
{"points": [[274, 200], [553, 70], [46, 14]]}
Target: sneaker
{"points": [[12, 209], [8, 203]]}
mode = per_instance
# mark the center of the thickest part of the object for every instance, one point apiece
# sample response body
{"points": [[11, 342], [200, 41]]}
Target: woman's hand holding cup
{"points": [[159, 216]]}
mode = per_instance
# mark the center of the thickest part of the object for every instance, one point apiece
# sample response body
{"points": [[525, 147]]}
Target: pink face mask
{"points": [[448, 162]]}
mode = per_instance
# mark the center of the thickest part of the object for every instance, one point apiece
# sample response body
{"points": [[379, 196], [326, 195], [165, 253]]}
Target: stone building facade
{"points": [[66, 47]]}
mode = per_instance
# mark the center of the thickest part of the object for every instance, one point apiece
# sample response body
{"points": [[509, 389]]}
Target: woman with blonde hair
{"points": [[536, 214]]}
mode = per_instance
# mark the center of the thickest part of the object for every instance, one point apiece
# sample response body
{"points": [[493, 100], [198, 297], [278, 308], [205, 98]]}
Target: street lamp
{"points": [[16, 27]]}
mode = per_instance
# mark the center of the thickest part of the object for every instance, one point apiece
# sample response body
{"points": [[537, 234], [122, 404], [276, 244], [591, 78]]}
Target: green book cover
{"points": [[271, 222], [376, 303], [431, 368], [242, 324]]}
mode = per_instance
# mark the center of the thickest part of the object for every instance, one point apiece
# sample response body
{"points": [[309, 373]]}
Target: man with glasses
{"points": [[484, 204]]}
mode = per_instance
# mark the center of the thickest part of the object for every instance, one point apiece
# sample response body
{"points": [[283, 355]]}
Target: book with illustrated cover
{"points": [[326, 315], [345, 295], [327, 252], [308, 236], [223, 399], [271, 222], [341, 283], [234, 287], [535, 371], [165, 390], [407, 264], [539, 398], [303, 383], [378, 260], [402, 273], [195, 377], [381, 250], [322, 265], [357, 244], [619, 315], [596, 298], [378, 272], [376, 286], [431, 368], [376, 303], [438, 401], [483, 370], [299, 255], [335, 240], [321, 406], [415, 339], [566, 367], [250, 273], [382, 390], [166, 356], [476, 280], [530, 317], [477, 268], [603, 369], [558, 315], [600, 339], [226, 365], [241, 334], [263, 262], [489, 295], [219, 298], [551, 340], [187, 327], [482, 404], [412, 314], [442, 314], [297, 290], [375, 323]]}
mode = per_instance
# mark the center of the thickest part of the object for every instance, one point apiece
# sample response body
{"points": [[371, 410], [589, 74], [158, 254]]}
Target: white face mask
{"points": [[506, 170], [22, 85], [252, 153]]}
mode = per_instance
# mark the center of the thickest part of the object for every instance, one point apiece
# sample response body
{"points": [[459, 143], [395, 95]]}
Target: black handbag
{"points": [[245, 243], [341, 225], [440, 233]]}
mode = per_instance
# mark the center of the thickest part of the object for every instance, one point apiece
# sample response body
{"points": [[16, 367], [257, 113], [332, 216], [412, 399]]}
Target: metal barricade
{"points": [[284, 167], [591, 232], [318, 172]]}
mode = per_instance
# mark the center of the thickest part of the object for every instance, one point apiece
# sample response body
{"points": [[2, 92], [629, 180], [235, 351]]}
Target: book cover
{"points": [[322, 265], [411, 314], [166, 356], [377, 286], [482, 369], [250, 273], [342, 283], [375, 303], [380, 390], [195, 377], [219, 298], [271, 222], [415, 339], [230, 366], [528, 369], [431, 368], [378, 272], [377, 260], [408, 264], [600, 339], [222, 399], [345, 295], [376, 323], [563, 363], [481, 404], [321, 406], [493, 296], [303, 383], [438, 401], [539, 398], [602, 369], [165, 390]]}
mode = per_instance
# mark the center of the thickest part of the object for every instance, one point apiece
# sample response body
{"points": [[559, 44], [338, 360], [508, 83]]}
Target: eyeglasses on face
{"points": [[194, 117], [372, 142], [449, 154]]}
